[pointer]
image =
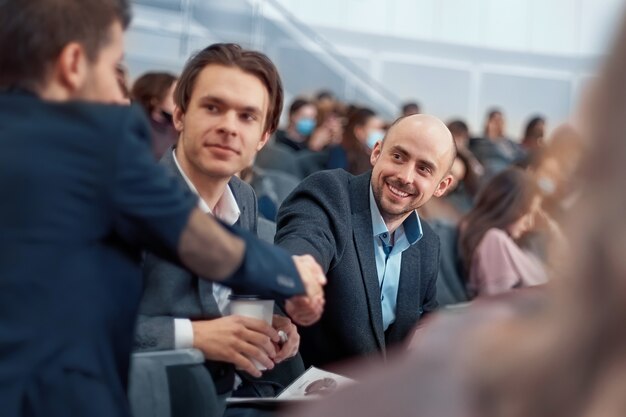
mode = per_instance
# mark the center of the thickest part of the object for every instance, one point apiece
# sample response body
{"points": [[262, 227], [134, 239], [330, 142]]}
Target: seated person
{"points": [[505, 210], [228, 102], [495, 150], [381, 261]]}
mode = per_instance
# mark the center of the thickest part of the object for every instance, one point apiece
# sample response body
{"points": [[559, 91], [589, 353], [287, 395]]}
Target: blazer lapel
{"points": [[205, 288], [408, 303], [363, 239]]}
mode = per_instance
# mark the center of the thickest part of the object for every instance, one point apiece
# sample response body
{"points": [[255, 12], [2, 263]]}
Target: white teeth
{"points": [[397, 192]]}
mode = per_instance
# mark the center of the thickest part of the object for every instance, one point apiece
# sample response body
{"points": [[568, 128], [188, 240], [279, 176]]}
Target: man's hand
{"points": [[307, 309], [289, 348], [237, 340]]}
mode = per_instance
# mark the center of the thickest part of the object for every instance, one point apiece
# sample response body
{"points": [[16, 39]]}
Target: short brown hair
{"points": [[151, 88], [233, 55], [34, 32]]}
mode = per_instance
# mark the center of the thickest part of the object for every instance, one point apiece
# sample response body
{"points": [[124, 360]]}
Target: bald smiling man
{"points": [[381, 261]]}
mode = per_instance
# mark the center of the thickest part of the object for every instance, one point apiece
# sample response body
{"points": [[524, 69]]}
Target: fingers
{"points": [[306, 310], [239, 340], [291, 343], [254, 353], [291, 346], [311, 273], [303, 311], [258, 326]]}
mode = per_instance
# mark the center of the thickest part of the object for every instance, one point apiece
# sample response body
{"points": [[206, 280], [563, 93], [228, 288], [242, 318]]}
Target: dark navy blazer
{"points": [[82, 195]]}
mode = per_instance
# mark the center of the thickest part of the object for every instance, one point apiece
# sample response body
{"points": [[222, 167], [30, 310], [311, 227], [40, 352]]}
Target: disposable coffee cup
{"points": [[253, 307]]}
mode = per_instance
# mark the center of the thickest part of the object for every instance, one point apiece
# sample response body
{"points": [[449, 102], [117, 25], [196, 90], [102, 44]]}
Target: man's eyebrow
{"points": [[217, 100]]}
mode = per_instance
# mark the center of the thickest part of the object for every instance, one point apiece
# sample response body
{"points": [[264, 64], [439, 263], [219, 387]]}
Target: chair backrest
{"points": [[170, 384], [450, 286]]}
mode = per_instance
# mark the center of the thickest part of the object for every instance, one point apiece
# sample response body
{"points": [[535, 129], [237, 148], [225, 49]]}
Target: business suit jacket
{"points": [[173, 292], [84, 196], [328, 216]]}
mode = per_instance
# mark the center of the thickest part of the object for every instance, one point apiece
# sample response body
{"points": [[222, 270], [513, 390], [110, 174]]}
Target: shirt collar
{"points": [[226, 208], [412, 225]]}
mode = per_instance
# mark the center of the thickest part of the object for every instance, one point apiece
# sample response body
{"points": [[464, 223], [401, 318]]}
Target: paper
{"points": [[311, 385]]}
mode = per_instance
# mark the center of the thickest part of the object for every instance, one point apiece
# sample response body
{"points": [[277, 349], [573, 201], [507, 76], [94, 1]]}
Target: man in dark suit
{"points": [[179, 309], [381, 261], [86, 198]]}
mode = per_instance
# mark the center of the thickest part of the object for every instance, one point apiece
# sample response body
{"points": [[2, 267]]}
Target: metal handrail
{"points": [[333, 53]]}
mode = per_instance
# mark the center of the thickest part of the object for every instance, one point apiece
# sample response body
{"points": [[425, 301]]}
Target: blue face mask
{"points": [[305, 126], [373, 137]]}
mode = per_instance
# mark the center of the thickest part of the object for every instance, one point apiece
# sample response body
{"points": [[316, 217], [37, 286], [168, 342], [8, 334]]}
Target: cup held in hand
{"points": [[253, 307]]}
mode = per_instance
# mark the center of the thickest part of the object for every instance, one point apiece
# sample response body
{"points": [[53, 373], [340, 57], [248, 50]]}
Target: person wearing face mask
{"points": [[363, 130], [507, 208], [302, 114], [154, 91]]}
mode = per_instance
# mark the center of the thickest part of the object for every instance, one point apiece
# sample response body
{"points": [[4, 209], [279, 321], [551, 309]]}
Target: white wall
{"points": [[456, 57], [570, 27]]}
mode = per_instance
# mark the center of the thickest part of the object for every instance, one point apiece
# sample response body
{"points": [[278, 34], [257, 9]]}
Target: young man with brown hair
{"points": [[228, 102]]}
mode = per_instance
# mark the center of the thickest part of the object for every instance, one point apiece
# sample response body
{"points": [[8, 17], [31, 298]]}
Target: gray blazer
{"points": [[328, 216], [173, 292]]}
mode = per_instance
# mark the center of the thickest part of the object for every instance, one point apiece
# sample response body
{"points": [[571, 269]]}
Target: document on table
{"points": [[311, 385]]}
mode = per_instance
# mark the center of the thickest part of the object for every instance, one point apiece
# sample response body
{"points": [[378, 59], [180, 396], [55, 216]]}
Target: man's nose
{"points": [[405, 174], [228, 123]]}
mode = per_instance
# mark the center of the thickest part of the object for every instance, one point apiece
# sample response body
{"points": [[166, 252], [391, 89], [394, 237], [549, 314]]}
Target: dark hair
{"points": [[530, 127], [504, 200], [150, 89], [233, 55], [34, 32], [458, 127], [324, 95], [297, 104], [491, 113], [410, 106], [358, 158]]}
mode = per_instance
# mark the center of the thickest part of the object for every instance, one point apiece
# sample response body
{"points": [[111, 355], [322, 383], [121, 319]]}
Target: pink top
{"points": [[498, 265]]}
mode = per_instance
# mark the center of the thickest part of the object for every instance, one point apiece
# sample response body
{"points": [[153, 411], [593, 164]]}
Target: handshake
{"points": [[308, 308]]}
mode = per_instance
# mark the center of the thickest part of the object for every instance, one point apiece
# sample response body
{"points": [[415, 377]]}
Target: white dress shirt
{"points": [[228, 211]]}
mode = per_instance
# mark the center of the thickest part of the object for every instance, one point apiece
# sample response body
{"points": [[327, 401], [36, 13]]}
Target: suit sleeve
{"points": [[310, 219], [151, 207]]}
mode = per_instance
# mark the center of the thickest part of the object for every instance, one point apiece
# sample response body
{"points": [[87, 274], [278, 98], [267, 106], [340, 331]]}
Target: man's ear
{"points": [[177, 118], [71, 68], [443, 185], [263, 141], [378, 148]]}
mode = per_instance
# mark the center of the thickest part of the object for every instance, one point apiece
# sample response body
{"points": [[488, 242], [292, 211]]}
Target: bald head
{"points": [[426, 129]]}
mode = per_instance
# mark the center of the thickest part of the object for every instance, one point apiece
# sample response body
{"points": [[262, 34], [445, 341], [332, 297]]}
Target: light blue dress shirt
{"points": [[388, 262]]}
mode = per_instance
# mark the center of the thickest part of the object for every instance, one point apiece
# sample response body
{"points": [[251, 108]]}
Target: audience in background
{"points": [[474, 169], [300, 125], [154, 92], [410, 108], [363, 130], [495, 150], [508, 207], [534, 134]]}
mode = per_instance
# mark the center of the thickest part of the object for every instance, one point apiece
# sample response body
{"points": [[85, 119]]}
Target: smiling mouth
{"points": [[397, 192]]}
